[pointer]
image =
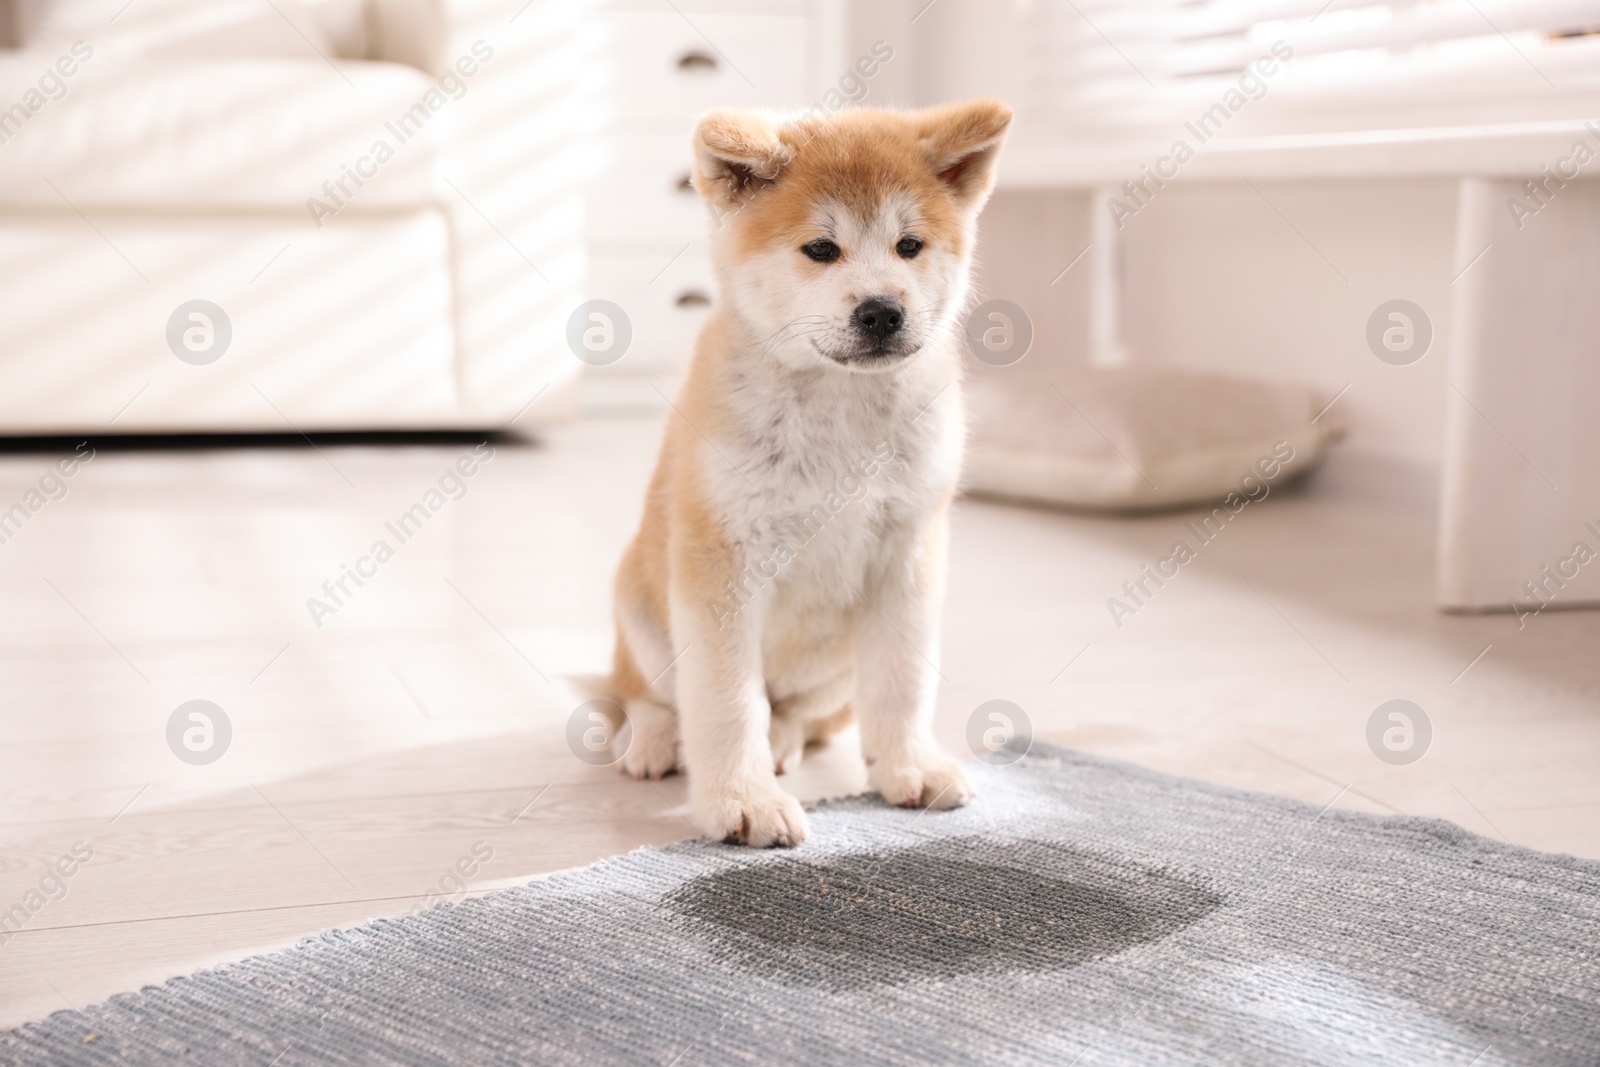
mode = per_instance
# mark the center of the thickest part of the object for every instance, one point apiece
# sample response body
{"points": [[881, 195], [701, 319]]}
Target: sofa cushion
{"points": [[202, 135]]}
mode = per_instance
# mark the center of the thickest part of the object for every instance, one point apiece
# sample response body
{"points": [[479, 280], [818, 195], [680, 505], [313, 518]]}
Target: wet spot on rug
{"points": [[935, 912]]}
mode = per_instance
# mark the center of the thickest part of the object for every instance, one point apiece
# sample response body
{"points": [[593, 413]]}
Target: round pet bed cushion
{"points": [[1130, 438]]}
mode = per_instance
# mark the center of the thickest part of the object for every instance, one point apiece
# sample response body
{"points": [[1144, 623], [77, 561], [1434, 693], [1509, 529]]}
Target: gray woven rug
{"points": [[1081, 912]]}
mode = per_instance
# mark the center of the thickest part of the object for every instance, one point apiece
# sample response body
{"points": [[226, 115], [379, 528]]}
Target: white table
{"points": [[1521, 487]]}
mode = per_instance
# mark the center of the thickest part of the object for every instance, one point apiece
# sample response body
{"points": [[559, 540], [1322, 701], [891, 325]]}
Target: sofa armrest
{"points": [[513, 177]]}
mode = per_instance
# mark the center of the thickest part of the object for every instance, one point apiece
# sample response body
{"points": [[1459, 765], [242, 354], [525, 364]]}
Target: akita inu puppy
{"points": [[789, 569]]}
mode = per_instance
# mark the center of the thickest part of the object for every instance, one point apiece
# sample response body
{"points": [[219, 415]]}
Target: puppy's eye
{"points": [[908, 247], [821, 250]]}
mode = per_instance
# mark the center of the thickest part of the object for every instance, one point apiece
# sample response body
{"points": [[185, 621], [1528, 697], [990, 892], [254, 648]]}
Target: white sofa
{"points": [[383, 197]]}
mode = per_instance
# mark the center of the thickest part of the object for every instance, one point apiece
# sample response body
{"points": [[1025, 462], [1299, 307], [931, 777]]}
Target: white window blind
{"points": [[1116, 64]]}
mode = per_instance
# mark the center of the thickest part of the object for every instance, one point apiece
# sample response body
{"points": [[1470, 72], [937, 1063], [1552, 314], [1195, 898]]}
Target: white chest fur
{"points": [[823, 478]]}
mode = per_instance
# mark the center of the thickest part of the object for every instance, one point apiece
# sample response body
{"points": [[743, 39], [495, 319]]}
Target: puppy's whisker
{"points": [[794, 322]]}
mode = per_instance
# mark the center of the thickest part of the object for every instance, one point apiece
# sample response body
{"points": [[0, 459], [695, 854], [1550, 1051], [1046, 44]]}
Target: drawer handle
{"points": [[696, 61], [685, 184], [693, 298]]}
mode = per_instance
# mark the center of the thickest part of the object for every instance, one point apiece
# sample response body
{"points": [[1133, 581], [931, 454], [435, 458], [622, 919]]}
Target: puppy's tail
{"points": [[602, 689], [592, 686]]}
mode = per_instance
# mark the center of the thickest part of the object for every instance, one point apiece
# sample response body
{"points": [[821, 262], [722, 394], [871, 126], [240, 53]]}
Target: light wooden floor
{"points": [[428, 714]]}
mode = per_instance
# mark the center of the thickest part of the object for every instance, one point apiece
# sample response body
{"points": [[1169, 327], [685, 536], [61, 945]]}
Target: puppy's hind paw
{"points": [[652, 743], [788, 741], [922, 778]]}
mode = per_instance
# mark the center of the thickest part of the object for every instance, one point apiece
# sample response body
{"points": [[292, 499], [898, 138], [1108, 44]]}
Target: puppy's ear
{"points": [[736, 154], [962, 142]]}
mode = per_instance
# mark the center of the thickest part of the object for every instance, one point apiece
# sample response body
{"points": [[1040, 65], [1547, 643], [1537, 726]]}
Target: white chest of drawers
{"points": [[665, 64]]}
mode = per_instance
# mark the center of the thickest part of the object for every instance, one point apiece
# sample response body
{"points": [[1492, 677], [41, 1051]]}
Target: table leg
{"points": [[1521, 489]]}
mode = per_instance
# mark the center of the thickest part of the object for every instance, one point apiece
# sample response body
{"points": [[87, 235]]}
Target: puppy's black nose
{"points": [[879, 318]]}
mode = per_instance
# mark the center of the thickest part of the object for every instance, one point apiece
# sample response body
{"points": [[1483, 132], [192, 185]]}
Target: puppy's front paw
{"points": [[758, 814], [921, 778]]}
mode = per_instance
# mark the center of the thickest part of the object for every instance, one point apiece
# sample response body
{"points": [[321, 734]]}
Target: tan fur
{"points": [[748, 689], [821, 731]]}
